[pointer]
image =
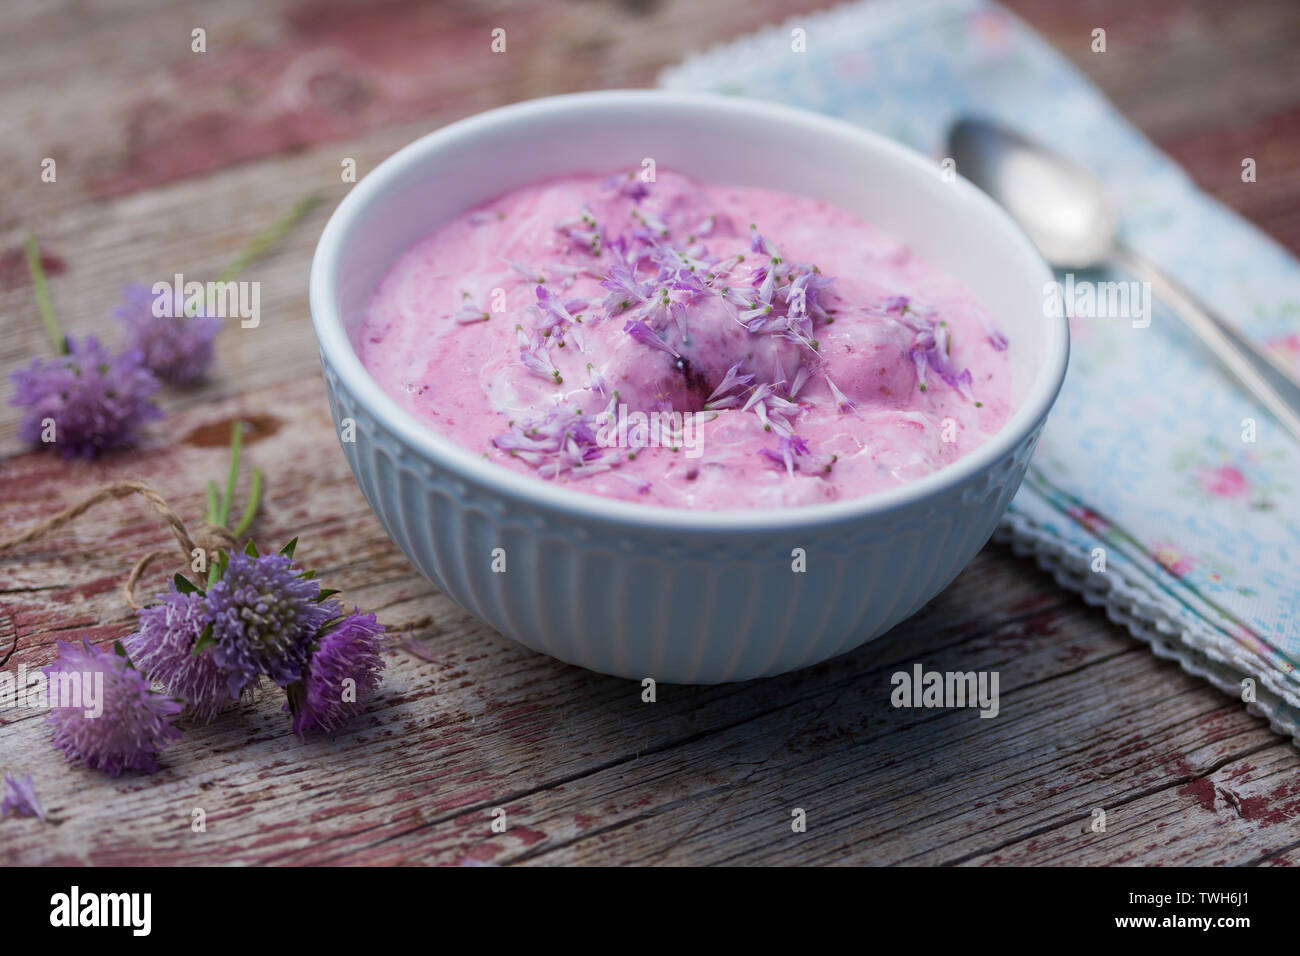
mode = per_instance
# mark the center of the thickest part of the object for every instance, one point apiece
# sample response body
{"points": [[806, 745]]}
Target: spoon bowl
{"points": [[1061, 207]]}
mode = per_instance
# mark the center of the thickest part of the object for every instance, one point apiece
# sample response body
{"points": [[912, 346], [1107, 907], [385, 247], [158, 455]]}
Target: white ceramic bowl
{"points": [[637, 590]]}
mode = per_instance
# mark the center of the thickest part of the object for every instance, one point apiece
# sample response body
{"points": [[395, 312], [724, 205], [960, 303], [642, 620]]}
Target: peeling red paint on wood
{"points": [[14, 271]]}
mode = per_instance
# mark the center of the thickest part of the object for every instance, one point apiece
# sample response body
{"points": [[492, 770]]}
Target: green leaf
{"points": [[204, 640], [296, 694], [120, 651], [185, 585], [307, 575], [276, 230], [326, 594], [217, 569], [228, 499], [289, 548], [250, 506], [250, 549]]}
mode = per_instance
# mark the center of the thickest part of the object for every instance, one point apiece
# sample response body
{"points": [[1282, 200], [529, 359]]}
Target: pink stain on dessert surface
{"points": [[644, 341]]}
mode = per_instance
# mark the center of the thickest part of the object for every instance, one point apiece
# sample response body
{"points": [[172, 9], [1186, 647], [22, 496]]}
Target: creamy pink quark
{"points": [[686, 344]]}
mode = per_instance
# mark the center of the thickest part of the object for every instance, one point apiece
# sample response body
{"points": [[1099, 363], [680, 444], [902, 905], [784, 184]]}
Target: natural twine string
{"points": [[209, 537]]}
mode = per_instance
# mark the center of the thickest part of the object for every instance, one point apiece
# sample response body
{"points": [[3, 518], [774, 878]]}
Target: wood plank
{"points": [[281, 77], [1210, 810], [177, 160]]}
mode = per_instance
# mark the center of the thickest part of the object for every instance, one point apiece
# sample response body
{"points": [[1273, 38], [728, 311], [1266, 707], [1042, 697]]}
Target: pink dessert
{"points": [[686, 344]]}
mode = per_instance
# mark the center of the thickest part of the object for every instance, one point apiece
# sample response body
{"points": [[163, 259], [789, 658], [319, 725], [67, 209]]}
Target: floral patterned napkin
{"points": [[1147, 454]]}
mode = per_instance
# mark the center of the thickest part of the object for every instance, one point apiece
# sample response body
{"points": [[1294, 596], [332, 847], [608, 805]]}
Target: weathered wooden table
{"points": [[168, 160]]}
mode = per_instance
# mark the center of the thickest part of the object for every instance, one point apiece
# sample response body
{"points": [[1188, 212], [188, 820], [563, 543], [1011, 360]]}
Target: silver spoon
{"points": [[1064, 211]]}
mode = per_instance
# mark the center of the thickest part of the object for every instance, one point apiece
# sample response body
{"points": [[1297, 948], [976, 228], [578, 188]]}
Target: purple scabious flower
{"points": [[342, 675], [20, 798], [119, 722], [163, 648], [175, 346], [97, 401], [264, 615]]}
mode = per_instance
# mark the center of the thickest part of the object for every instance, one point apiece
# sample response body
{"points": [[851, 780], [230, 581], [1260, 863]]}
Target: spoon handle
{"points": [[1243, 360]]}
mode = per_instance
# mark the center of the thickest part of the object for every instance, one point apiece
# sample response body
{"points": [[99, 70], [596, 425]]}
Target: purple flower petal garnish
{"points": [[640, 332], [732, 382], [20, 798], [468, 312], [788, 449], [841, 401], [560, 442]]}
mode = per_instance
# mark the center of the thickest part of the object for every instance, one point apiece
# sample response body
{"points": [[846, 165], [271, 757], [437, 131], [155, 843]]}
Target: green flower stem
{"points": [[43, 303], [274, 232], [250, 507], [260, 242], [218, 511], [213, 504], [236, 441]]}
